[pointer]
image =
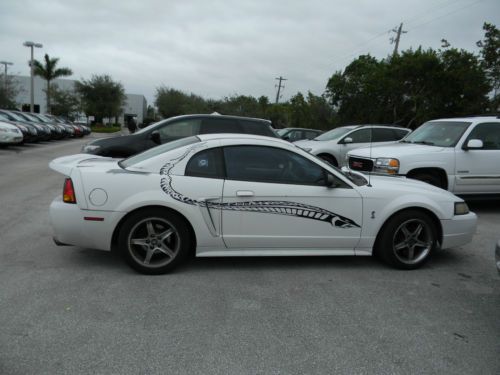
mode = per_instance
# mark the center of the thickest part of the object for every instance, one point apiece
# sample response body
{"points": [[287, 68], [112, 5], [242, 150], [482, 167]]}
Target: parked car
{"points": [[297, 134], [10, 134], [41, 132], [333, 145], [175, 128], [46, 132], [245, 195], [29, 133], [461, 155]]}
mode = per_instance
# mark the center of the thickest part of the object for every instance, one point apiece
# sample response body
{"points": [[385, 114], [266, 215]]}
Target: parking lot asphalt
{"points": [[68, 310]]}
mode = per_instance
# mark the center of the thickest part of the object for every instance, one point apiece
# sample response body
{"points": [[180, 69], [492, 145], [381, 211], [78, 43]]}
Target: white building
{"points": [[135, 105]]}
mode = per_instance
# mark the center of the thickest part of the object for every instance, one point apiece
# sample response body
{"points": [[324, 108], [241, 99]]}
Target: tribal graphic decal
{"points": [[267, 207]]}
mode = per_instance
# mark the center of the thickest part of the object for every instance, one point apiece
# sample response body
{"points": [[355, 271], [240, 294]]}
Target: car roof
{"points": [[491, 118], [238, 136], [206, 115]]}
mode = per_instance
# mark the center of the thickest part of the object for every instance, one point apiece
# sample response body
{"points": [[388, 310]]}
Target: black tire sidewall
{"points": [[385, 246], [174, 219]]}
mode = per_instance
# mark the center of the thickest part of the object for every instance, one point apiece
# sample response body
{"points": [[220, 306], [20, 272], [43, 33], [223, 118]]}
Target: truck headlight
{"points": [[386, 165], [461, 208]]}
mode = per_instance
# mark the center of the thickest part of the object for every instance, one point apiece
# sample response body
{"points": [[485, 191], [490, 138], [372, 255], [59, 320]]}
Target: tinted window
{"points": [[206, 163], [361, 136], [269, 164], [152, 152], [384, 135], [310, 134], [219, 125], [489, 133], [257, 128], [400, 134], [179, 129], [294, 135]]}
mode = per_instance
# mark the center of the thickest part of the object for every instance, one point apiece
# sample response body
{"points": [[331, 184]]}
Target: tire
{"points": [[429, 178], [330, 159], [142, 246], [399, 244]]}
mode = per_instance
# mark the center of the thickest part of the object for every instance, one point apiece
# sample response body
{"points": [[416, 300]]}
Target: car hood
{"points": [[384, 186], [395, 150], [65, 164]]}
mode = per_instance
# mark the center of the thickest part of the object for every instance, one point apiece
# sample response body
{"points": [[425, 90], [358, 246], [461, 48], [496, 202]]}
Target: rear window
{"points": [[152, 152], [257, 128], [219, 125]]}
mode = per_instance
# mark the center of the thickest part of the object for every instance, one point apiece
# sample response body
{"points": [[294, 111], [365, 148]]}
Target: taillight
{"points": [[69, 191]]}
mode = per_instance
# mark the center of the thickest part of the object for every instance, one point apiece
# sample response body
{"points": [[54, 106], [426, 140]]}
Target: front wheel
{"points": [[407, 240], [154, 241]]}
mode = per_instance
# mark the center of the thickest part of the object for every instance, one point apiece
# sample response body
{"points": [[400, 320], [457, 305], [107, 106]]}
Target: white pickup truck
{"points": [[461, 155]]}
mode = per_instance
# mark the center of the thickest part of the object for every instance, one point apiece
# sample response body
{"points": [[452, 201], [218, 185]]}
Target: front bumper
{"points": [[459, 230], [71, 228]]}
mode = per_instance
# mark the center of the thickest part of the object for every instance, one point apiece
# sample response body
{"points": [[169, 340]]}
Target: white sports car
{"points": [[242, 195]]}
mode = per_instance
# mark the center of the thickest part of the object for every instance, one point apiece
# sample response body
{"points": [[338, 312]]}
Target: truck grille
{"points": [[359, 164]]}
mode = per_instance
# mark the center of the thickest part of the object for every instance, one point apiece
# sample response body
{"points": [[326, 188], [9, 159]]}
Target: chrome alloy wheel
{"points": [[153, 242], [412, 241]]}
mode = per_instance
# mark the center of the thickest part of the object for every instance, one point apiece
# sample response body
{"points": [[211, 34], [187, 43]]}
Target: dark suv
{"points": [[175, 128]]}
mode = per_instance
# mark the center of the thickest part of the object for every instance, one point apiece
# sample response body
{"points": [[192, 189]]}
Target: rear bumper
{"points": [[459, 230], [70, 226]]}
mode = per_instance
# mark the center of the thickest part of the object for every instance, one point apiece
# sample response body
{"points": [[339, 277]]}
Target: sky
{"points": [[219, 48]]}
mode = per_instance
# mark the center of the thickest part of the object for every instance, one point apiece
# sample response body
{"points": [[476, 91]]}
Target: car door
{"points": [[358, 139], [478, 170], [275, 198]]}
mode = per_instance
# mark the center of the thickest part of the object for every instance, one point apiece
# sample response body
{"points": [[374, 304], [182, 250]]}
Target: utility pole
{"points": [[5, 63], [396, 39], [279, 86]]}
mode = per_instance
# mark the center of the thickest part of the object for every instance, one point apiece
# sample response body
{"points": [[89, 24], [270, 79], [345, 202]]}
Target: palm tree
{"points": [[49, 72]]}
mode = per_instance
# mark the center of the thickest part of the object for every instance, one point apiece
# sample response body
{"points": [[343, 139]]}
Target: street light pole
{"points": [[32, 93], [5, 63]]}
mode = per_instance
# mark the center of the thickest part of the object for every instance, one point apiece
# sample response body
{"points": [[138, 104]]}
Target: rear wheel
{"points": [[407, 240], [154, 241]]}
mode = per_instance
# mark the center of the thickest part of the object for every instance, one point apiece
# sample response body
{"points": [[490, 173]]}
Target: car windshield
{"points": [[15, 116], [438, 133], [152, 152], [281, 131], [333, 134]]}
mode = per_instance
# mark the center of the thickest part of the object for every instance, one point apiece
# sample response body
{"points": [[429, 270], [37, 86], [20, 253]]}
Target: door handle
{"points": [[244, 193]]}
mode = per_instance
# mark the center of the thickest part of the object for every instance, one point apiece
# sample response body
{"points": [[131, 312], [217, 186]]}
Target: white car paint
{"points": [[10, 134], [338, 147], [468, 171], [357, 212]]}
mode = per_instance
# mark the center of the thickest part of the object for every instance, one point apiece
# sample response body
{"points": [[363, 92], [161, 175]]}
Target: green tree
{"points": [[8, 92], [490, 54], [64, 102], [101, 97], [49, 71]]}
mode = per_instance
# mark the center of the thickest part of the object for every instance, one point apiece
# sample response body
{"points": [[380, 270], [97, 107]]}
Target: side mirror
{"points": [[330, 181], [155, 137], [347, 140], [474, 144]]}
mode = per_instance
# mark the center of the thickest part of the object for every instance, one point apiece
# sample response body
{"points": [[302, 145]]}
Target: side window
{"points": [[489, 133], [269, 164], [387, 135], [257, 128], [294, 135], [219, 125], [179, 129], [360, 136], [206, 163], [400, 134], [310, 134]]}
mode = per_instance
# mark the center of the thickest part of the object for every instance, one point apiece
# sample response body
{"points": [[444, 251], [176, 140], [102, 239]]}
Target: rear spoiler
{"points": [[65, 164]]}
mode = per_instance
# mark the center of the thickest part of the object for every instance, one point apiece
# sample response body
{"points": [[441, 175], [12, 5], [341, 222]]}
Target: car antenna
{"points": [[370, 157]]}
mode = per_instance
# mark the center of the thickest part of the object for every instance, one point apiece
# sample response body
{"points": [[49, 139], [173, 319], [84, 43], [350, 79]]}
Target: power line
{"points": [[279, 86]]}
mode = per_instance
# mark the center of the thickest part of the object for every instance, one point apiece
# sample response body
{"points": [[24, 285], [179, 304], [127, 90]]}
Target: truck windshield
{"points": [[438, 133]]}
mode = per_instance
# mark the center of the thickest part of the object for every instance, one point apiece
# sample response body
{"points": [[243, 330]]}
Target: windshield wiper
{"points": [[424, 143]]}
